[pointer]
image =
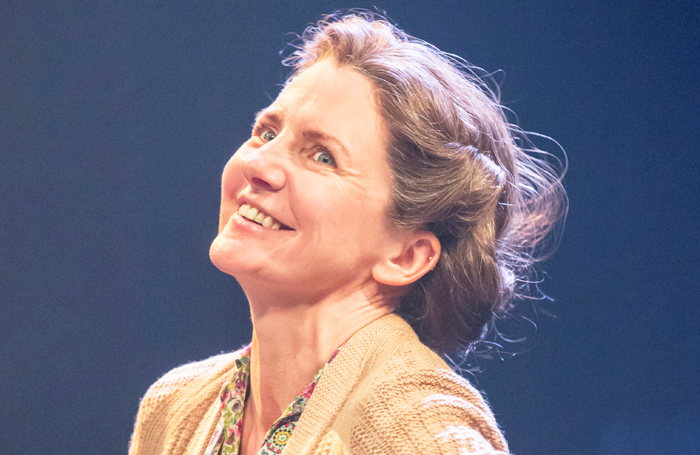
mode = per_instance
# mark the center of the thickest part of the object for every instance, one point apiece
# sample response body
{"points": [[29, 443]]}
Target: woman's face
{"points": [[316, 165]]}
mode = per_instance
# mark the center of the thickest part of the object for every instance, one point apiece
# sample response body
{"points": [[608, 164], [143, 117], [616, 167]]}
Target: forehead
{"points": [[335, 100]]}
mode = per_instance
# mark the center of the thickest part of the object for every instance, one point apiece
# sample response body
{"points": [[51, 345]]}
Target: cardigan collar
{"points": [[368, 347]]}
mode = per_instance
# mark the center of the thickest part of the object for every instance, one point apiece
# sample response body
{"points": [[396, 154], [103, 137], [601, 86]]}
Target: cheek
{"points": [[349, 212], [231, 177], [231, 183]]}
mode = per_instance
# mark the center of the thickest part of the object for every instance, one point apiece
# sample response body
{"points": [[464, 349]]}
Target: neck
{"points": [[291, 342]]}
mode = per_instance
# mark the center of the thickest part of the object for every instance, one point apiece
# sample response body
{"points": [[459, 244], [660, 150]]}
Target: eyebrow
{"points": [[272, 114], [314, 134], [326, 137]]}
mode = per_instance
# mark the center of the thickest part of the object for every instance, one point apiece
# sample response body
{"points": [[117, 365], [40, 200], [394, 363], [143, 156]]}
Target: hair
{"points": [[460, 171]]}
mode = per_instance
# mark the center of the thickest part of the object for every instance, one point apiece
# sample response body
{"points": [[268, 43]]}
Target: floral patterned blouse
{"points": [[227, 436]]}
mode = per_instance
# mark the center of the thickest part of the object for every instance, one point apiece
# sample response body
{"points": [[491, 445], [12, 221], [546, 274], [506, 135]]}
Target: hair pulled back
{"points": [[458, 172]]}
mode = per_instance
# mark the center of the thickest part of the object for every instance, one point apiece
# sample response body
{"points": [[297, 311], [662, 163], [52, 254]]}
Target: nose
{"points": [[263, 169]]}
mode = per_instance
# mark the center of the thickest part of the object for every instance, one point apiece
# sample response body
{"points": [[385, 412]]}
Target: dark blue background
{"points": [[116, 118]]}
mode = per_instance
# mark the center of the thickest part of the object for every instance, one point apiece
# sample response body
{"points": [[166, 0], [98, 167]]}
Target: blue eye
{"points": [[268, 135], [324, 157]]}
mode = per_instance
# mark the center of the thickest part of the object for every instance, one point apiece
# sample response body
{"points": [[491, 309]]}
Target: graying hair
{"points": [[460, 170]]}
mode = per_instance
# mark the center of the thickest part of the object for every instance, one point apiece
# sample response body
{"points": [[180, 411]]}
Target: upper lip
{"points": [[245, 200]]}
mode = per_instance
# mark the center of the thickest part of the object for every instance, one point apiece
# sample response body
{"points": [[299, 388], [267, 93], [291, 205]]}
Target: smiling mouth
{"points": [[259, 217]]}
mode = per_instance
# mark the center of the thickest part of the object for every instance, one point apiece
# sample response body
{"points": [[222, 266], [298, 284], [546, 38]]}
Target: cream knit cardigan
{"points": [[384, 393]]}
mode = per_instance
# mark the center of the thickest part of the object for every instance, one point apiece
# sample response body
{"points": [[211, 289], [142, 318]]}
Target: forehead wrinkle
{"points": [[302, 106], [298, 101], [283, 106]]}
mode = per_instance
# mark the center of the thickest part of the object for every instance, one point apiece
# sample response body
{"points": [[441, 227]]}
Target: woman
{"points": [[382, 192]]}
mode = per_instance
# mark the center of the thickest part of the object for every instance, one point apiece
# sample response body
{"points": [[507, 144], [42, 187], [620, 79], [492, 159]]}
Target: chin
{"points": [[222, 257], [225, 253]]}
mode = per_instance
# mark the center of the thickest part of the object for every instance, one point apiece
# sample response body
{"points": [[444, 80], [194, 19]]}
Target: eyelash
{"points": [[322, 149], [259, 130]]}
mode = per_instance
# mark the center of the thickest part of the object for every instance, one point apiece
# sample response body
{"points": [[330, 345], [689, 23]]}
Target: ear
{"points": [[418, 255]]}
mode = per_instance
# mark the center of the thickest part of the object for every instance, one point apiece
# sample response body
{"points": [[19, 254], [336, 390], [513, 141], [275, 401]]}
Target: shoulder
{"points": [[178, 400], [413, 399], [426, 407], [191, 373]]}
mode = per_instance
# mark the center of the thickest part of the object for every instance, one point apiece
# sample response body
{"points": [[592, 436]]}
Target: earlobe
{"points": [[418, 255]]}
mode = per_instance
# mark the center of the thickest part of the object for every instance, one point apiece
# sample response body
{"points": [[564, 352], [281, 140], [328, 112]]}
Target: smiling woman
{"points": [[380, 214], [316, 163]]}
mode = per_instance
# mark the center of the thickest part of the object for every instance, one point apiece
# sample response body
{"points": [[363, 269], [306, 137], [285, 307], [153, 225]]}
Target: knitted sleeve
{"points": [[428, 411]]}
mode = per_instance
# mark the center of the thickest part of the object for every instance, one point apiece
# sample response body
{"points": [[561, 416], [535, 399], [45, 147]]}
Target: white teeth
{"points": [[252, 213], [258, 216]]}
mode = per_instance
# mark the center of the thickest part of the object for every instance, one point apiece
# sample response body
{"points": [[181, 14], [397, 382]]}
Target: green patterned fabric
{"points": [[226, 439]]}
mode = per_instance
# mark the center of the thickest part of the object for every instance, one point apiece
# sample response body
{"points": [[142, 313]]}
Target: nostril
{"points": [[255, 181]]}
